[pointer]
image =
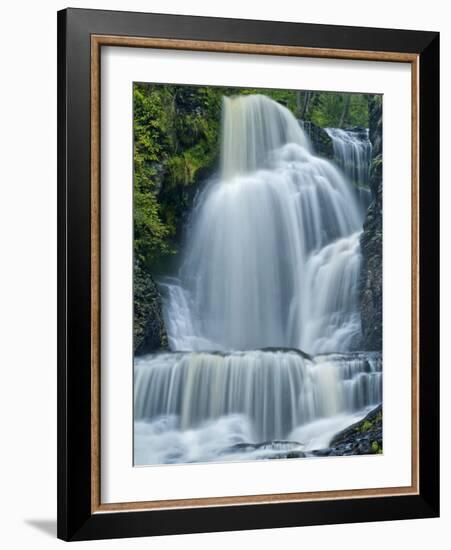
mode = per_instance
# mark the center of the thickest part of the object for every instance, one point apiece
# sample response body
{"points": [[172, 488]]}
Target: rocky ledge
{"points": [[362, 438], [280, 449]]}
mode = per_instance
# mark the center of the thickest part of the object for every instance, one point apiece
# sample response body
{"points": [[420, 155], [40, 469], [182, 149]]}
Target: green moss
{"points": [[375, 446], [176, 131], [366, 426]]}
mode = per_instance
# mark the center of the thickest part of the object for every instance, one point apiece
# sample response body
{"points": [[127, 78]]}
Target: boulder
{"points": [[363, 437]]}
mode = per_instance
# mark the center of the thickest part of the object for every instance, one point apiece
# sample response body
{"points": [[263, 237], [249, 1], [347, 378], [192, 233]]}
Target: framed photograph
{"points": [[248, 274]]}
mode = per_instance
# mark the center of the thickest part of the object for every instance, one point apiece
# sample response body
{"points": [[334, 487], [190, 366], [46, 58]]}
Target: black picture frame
{"points": [[76, 520]]}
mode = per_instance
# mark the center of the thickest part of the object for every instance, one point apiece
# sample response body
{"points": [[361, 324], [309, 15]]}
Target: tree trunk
{"points": [[299, 98], [345, 111], [306, 104]]}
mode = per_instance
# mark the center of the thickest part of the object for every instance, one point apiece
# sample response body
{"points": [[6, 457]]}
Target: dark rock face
{"points": [[149, 332], [361, 438], [371, 240], [322, 143]]}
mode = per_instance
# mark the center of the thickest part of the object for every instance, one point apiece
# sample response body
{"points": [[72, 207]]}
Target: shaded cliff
{"points": [[322, 143], [148, 324], [176, 132], [371, 240]]}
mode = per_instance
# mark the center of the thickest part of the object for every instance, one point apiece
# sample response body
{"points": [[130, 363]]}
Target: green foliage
{"points": [[366, 426], [152, 138], [175, 143], [358, 110], [151, 233], [376, 447], [327, 110], [285, 97]]}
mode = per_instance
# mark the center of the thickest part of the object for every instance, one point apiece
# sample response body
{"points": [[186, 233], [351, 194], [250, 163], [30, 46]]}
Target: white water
{"points": [[272, 260], [276, 218], [352, 152], [204, 406]]}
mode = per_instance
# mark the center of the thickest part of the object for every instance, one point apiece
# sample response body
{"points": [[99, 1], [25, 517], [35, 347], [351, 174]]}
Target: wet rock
{"points": [[291, 454], [149, 332], [293, 350], [363, 437], [281, 449], [322, 452]]}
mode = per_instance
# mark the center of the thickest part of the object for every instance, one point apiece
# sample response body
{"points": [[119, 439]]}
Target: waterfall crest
{"points": [[252, 128]]}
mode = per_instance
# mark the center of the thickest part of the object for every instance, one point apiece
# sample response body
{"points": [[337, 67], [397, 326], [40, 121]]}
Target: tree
{"points": [[345, 111], [303, 102]]}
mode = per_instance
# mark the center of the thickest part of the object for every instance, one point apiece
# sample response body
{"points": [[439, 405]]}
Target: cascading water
{"points": [[272, 261], [206, 406], [352, 152], [257, 236]]}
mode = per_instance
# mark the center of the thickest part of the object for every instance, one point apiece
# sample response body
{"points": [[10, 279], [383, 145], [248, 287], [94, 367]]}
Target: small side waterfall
{"points": [[272, 260], [352, 152]]}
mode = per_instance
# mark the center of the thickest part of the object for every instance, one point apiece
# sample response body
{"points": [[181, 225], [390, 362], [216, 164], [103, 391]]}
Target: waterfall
{"points": [[277, 390], [258, 234], [352, 152], [272, 260], [253, 127], [270, 393]]}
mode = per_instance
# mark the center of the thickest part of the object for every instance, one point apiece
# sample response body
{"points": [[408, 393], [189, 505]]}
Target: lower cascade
{"points": [[273, 394], [271, 266]]}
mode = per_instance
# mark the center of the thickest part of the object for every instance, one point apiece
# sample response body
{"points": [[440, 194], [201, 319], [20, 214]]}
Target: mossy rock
{"points": [[149, 332], [363, 437], [366, 426]]}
